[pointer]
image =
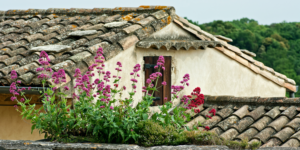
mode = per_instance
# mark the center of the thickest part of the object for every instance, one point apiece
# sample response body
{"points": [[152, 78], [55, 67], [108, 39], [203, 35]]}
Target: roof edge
{"points": [[252, 102], [82, 11]]}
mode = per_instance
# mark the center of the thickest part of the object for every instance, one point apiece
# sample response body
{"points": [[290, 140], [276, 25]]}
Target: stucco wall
{"points": [[215, 73], [12, 127]]}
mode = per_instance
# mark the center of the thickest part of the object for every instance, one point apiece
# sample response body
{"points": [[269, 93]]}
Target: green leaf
{"points": [[122, 133], [32, 128], [145, 116]]}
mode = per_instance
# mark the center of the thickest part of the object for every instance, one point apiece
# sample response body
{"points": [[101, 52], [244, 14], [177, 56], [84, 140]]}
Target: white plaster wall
{"points": [[172, 31], [215, 73], [209, 69]]}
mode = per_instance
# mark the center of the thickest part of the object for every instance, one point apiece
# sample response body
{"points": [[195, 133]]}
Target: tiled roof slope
{"points": [[113, 29], [274, 121]]}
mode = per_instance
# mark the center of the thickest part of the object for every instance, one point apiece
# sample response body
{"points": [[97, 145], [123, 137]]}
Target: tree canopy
{"points": [[276, 45]]}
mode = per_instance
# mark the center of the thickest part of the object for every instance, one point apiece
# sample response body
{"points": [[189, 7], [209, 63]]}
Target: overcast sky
{"points": [[264, 11]]}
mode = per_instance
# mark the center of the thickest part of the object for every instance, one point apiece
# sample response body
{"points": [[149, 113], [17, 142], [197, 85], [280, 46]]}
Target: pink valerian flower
{"points": [[134, 86], [43, 76], [39, 69], [29, 88], [13, 75], [59, 76], [124, 87], [166, 98], [77, 73], [186, 78], [13, 88], [207, 128], [54, 88], [85, 78], [91, 68], [148, 81], [16, 107], [49, 69], [213, 111], [164, 83], [137, 68], [66, 88], [151, 85], [102, 106], [208, 116], [185, 99], [197, 110], [160, 61], [100, 50], [134, 80], [22, 100], [44, 58], [111, 107], [119, 64], [75, 96], [13, 98], [19, 82], [97, 81], [116, 85]]}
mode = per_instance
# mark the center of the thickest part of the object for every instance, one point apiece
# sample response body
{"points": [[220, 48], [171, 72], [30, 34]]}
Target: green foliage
{"points": [[276, 45], [152, 133], [96, 118]]}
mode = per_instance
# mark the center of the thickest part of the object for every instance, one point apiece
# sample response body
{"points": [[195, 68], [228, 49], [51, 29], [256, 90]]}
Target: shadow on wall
{"points": [[13, 127]]}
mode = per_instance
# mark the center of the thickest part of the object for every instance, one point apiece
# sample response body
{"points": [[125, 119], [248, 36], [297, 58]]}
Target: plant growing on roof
{"points": [[51, 118], [96, 115]]}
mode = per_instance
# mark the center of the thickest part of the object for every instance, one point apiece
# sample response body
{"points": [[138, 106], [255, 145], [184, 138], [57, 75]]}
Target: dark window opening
{"points": [[163, 91]]}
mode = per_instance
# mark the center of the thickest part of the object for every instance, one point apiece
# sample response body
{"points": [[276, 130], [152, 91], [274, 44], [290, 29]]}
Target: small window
{"points": [[163, 91]]}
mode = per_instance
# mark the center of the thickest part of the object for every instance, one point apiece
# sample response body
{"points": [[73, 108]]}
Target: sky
{"points": [[203, 11]]}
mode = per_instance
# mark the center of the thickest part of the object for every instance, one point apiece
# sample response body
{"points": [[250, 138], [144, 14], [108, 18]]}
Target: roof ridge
{"points": [[85, 11], [252, 102]]}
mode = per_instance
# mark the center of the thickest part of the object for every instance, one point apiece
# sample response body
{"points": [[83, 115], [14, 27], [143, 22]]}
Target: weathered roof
{"points": [[72, 36], [274, 121]]}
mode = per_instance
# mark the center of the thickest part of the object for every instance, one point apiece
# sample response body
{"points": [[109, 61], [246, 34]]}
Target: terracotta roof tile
{"points": [[229, 134], [272, 142], [274, 121]]}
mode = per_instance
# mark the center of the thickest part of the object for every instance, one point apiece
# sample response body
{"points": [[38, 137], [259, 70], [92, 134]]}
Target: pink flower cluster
{"points": [[59, 76], [135, 74], [44, 58], [13, 87], [185, 80], [44, 61], [13, 74], [119, 66], [160, 63]]}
